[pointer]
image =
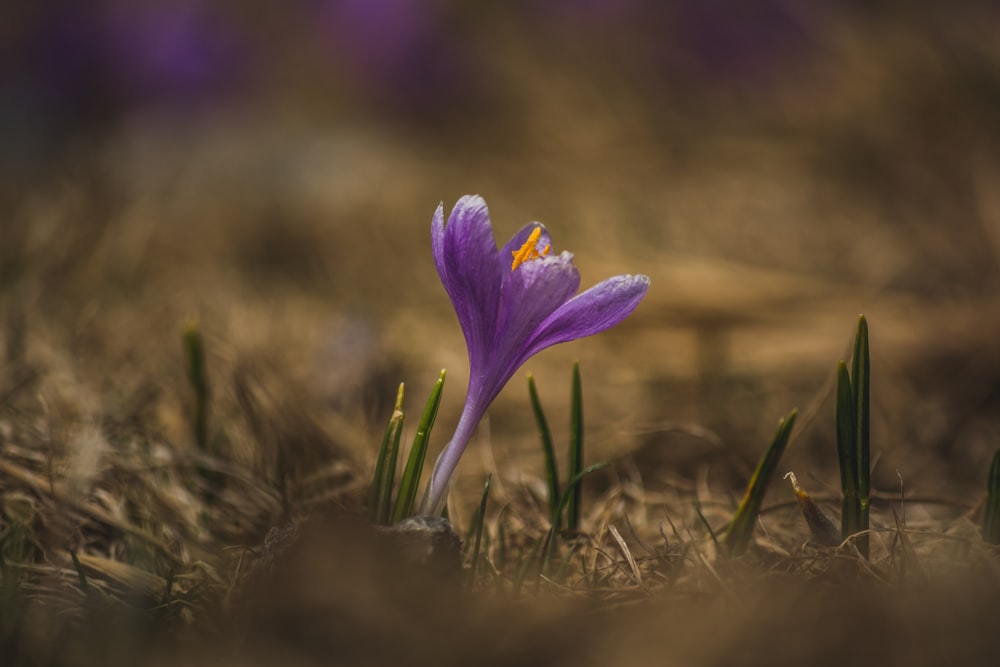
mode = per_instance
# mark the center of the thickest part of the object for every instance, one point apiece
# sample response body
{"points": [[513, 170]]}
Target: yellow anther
{"points": [[529, 250]]}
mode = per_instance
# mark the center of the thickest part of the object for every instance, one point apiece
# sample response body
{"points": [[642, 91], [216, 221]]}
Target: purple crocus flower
{"points": [[512, 304]]}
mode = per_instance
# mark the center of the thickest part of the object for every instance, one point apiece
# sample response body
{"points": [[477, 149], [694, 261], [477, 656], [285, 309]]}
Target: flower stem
{"points": [[447, 461]]}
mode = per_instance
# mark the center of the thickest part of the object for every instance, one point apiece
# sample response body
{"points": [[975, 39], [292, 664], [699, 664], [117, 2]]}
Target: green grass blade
{"points": [[480, 522], [847, 454], [575, 482], [415, 463], [551, 467], [575, 460], [708, 526], [741, 528], [383, 480], [991, 511], [81, 575], [550, 548], [861, 386], [500, 556], [194, 349]]}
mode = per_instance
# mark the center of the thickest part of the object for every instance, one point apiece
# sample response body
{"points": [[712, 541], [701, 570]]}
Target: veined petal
{"points": [[531, 293], [437, 245], [471, 271], [601, 307]]}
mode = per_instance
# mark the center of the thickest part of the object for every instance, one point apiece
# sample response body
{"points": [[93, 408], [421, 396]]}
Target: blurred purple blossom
{"points": [[701, 44], [511, 304], [172, 52], [728, 40], [73, 67], [402, 52], [584, 10]]}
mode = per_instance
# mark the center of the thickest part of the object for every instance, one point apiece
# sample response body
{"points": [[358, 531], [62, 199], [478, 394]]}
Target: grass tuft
{"points": [[853, 440], [478, 523], [384, 478], [740, 530], [566, 501], [410, 481]]}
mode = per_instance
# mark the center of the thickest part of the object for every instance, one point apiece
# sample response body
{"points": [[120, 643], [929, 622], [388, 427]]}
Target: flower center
{"points": [[529, 250]]}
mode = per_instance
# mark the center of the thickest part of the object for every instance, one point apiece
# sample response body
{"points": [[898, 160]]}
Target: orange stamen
{"points": [[529, 250]]}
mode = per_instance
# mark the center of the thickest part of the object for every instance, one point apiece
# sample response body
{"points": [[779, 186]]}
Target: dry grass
{"points": [[767, 221]]}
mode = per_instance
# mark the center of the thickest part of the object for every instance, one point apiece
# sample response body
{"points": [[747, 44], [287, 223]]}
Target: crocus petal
{"points": [[471, 271], [530, 294], [437, 244], [601, 307]]}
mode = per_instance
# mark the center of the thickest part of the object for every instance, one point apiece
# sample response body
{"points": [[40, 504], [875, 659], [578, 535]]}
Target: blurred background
{"points": [[270, 170]]}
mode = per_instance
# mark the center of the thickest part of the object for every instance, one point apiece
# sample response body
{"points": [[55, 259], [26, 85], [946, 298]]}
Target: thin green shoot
{"points": [[551, 466], [708, 526], [847, 453], [991, 511], [574, 482], [81, 575], [861, 385], [407, 495], [575, 459], [194, 348], [480, 522], [168, 587], [467, 537], [854, 440], [383, 480], [740, 530], [500, 554]]}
